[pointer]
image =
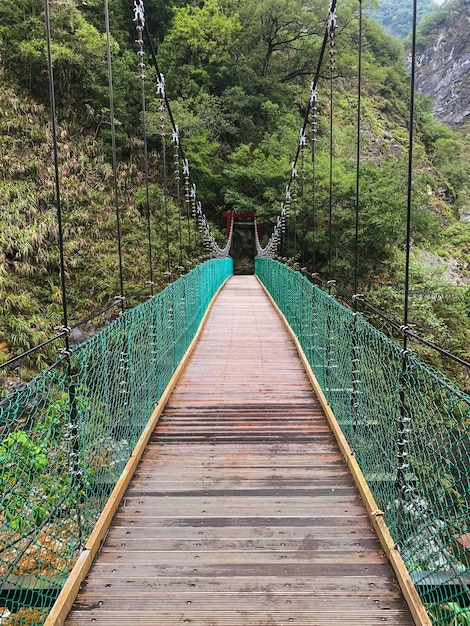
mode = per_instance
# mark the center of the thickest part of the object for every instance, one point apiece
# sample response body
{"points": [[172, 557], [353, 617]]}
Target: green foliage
{"points": [[451, 614], [238, 74], [440, 18], [35, 477], [444, 149], [256, 174], [197, 52], [78, 50], [439, 310], [396, 15], [431, 129], [281, 38]]}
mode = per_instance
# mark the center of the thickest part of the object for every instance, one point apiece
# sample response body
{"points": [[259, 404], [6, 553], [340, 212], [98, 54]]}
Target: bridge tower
{"points": [[243, 250]]}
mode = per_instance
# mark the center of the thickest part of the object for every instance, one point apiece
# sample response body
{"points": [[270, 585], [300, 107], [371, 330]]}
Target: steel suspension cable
{"points": [[276, 237], [161, 93], [410, 175], [176, 164], [114, 151], [74, 453], [314, 86], [140, 25], [405, 489], [314, 109], [303, 144], [294, 208], [331, 29], [358, 158], [355, 370], [213, 244], [55, 152], [187, 201]]}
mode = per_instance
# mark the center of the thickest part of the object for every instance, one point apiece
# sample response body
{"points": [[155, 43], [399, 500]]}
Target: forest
{"points": [[397, 16], [237, 76]]}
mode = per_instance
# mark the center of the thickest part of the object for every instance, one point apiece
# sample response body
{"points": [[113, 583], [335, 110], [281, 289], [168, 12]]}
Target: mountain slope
{"points": [[443, 72]]}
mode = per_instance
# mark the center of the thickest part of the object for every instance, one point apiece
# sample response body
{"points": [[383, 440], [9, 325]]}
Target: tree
{"points": [[78, 50], [396, 15], [198, 52]]}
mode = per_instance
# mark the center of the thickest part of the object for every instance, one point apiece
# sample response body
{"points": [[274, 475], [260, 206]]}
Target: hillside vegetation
{"points": [[238, 76], [397, 15]]}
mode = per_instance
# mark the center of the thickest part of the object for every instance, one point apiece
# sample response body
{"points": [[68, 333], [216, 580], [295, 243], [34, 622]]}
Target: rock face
{"points": [[443, 70]]}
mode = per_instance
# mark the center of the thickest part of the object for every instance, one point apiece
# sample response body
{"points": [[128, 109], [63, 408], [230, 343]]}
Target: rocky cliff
{"points": [[443, 66]]}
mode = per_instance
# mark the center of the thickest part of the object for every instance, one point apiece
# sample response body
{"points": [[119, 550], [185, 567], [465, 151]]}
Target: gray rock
{"points": [[443, 71]]}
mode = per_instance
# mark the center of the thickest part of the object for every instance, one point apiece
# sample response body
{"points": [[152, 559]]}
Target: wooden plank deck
{"points": [[242, 511]]}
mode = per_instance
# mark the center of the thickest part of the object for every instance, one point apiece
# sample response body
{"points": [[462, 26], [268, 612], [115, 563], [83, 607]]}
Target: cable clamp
{"points": [[161, 85], [303, 139], [332, 23], [64, 329], [331, 283], [294, 171], [176, 136], [139, 12], [66, 353], [186, 167], [313, 94], [408, 492], [402, 420], [357, 296], [118, 299], [405, 353]]}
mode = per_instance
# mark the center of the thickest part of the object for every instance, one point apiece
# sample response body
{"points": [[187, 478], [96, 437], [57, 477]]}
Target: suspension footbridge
{"points": [[242, 510], [224, 461]]}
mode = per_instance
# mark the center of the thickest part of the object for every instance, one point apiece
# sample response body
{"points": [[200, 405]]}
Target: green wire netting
{"points": [[409, 428], [66, 437]]}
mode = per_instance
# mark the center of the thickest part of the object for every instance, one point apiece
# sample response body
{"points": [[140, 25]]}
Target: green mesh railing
{"points": [[66, 437], [408, 427]]}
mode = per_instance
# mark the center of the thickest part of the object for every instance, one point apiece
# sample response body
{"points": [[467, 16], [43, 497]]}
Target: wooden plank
{"points": [[334, 534], [242, 510], [331, 585], [257, 602], [242, 617], [275, 544], [314, 572]]}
